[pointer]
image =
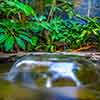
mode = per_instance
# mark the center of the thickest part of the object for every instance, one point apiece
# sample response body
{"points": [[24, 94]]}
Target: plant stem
{"points": [[51, 10]]}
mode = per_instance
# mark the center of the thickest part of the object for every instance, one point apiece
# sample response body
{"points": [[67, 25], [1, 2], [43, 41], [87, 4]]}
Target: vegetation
{"points": [[57, 27]]}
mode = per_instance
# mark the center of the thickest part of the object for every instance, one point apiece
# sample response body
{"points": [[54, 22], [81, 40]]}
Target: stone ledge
{"points": [[92, 55]]}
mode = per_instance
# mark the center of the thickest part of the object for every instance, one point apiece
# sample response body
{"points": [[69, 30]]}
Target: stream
{"points": [[49, 77]]}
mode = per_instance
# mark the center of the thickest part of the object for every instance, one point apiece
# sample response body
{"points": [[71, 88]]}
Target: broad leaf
{"points": [[20, 43], [9, 43], [25, 8], [83, 34], [34, 40], [1, 30], [36, 27], [25, 33], [3, 37], [25, 38]]}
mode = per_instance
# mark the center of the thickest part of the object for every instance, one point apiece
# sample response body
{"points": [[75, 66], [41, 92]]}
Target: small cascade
{"points": [[53, 72], [65, 70], [23, 66]]}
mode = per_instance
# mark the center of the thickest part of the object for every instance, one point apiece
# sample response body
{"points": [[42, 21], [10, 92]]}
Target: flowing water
{"points": [[50, 77]]}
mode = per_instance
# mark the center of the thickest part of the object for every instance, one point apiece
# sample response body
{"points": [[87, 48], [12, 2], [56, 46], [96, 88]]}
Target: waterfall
{"points": [[26, 64], [89, 7], [65, 70], [24, 71]]}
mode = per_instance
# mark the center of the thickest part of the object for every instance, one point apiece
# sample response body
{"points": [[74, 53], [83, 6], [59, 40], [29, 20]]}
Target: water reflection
{"points": [[10, 91]]}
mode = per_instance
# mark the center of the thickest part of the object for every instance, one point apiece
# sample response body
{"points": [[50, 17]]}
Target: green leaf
{"points": [[34, 40], [95, 31], [9, 43], [20, 43], [25, 8], [25, 38], [46, 25], [3, 37], [36, 27], [2, 30], [25, 33], [53, 36], [83, 34]]}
